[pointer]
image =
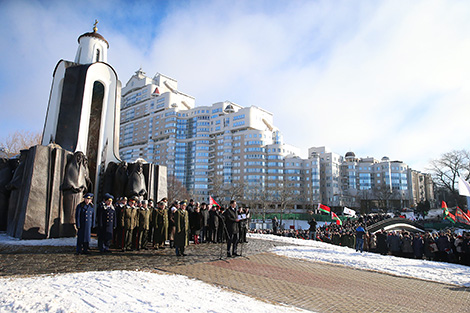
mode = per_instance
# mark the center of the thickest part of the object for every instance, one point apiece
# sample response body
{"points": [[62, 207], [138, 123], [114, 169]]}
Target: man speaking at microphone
{"points": [[231, 223]]}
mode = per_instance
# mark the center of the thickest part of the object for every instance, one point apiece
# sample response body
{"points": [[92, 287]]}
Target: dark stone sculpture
{"points": [[48, 182], [108, 179], [6, 174], [15, 187], [76, 183], [120, 180], [136, 183]]}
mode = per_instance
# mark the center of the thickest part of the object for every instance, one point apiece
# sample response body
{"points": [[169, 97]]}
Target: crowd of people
{"points": [[444, 246], [133, 224]]}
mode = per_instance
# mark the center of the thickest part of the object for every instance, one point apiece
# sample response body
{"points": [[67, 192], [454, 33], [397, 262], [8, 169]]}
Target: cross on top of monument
{"points": [[95, 29]]}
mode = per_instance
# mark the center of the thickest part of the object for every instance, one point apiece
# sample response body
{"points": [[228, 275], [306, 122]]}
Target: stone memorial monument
{"points": [[79, 152]]}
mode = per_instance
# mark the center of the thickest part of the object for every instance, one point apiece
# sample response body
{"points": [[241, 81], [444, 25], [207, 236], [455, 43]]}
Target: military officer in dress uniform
{"points": [[144, 225], [120, 232], [181, 229], [83, 222], [160, 223], [130, 222], [106, 216]]}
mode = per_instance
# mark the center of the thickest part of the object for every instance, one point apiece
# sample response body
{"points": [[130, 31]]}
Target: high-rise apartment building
{"points": [[213, 150], [228, 151]]}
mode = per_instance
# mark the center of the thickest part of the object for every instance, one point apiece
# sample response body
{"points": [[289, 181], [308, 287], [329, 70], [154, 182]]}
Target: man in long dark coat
{"points": [[213, 223], [106, 216], [84, 221], [232, 226]]}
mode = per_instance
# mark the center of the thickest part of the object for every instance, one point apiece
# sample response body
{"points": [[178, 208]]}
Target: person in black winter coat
{"points": [[195, 222], [106, 217], [83, 222], [232, 226]]}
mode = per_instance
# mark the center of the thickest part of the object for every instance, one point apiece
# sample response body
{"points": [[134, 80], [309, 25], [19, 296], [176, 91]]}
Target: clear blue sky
{"points": [[375, 77]]}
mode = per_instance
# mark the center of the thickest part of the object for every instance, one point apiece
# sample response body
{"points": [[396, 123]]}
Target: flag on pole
{"points": [[449, 216], [336, 218], [464, 187], [324, 208], [212, 202], [444, 205], [461, 217], [348, 211]]}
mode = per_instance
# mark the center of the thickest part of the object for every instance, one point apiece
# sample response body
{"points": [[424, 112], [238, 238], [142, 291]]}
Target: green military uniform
{"points": [[130, 222], [182, 230], [160, 224], [144, 226]]}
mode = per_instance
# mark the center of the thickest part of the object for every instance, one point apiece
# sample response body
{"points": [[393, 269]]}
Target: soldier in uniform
{"points": [[181, 229], [144, 225], [83, 222], [129, 221], [106, 216], [160, 222], [120, 234], [152, 209]]}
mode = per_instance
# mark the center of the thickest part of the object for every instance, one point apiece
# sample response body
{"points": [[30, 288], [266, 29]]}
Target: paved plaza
{"points": [[314, 286]]}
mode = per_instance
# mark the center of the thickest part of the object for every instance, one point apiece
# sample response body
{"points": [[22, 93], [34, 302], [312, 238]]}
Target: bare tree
{"points": [[446, 170], [257, 198], [283, 195], [176, 190], [19, 140], [216, 187]]}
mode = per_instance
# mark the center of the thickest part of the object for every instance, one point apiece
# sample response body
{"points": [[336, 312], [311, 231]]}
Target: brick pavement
{"points": [[322, 287], [313, 286]]}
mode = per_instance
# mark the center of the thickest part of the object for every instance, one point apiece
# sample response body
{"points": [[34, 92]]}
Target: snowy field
{"points": [[123, 291], [139, 291], [323, 252]]}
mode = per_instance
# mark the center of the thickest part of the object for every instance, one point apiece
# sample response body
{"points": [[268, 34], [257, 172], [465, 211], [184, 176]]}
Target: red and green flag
{"points": [[212, 202], [324, 208], [449, 216], [461, 217], [336, 218]]}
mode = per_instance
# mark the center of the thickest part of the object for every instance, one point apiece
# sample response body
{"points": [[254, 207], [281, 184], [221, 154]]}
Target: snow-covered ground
{"points": [[138, 291], [323, 252], [57, 242], [123, 291]]}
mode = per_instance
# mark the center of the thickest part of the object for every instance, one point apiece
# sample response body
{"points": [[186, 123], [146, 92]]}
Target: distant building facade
{"points": [[228, 151]]}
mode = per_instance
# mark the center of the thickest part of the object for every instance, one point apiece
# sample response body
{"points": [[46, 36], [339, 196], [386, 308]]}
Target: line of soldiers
{"points": [[133, 224], [140, 223]]}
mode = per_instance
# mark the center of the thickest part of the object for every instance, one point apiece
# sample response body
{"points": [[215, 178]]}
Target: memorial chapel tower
{"points": [[84, 105]]}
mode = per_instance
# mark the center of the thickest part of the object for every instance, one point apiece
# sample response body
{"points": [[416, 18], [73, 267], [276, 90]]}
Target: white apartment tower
{"points": [[212, 150]]}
